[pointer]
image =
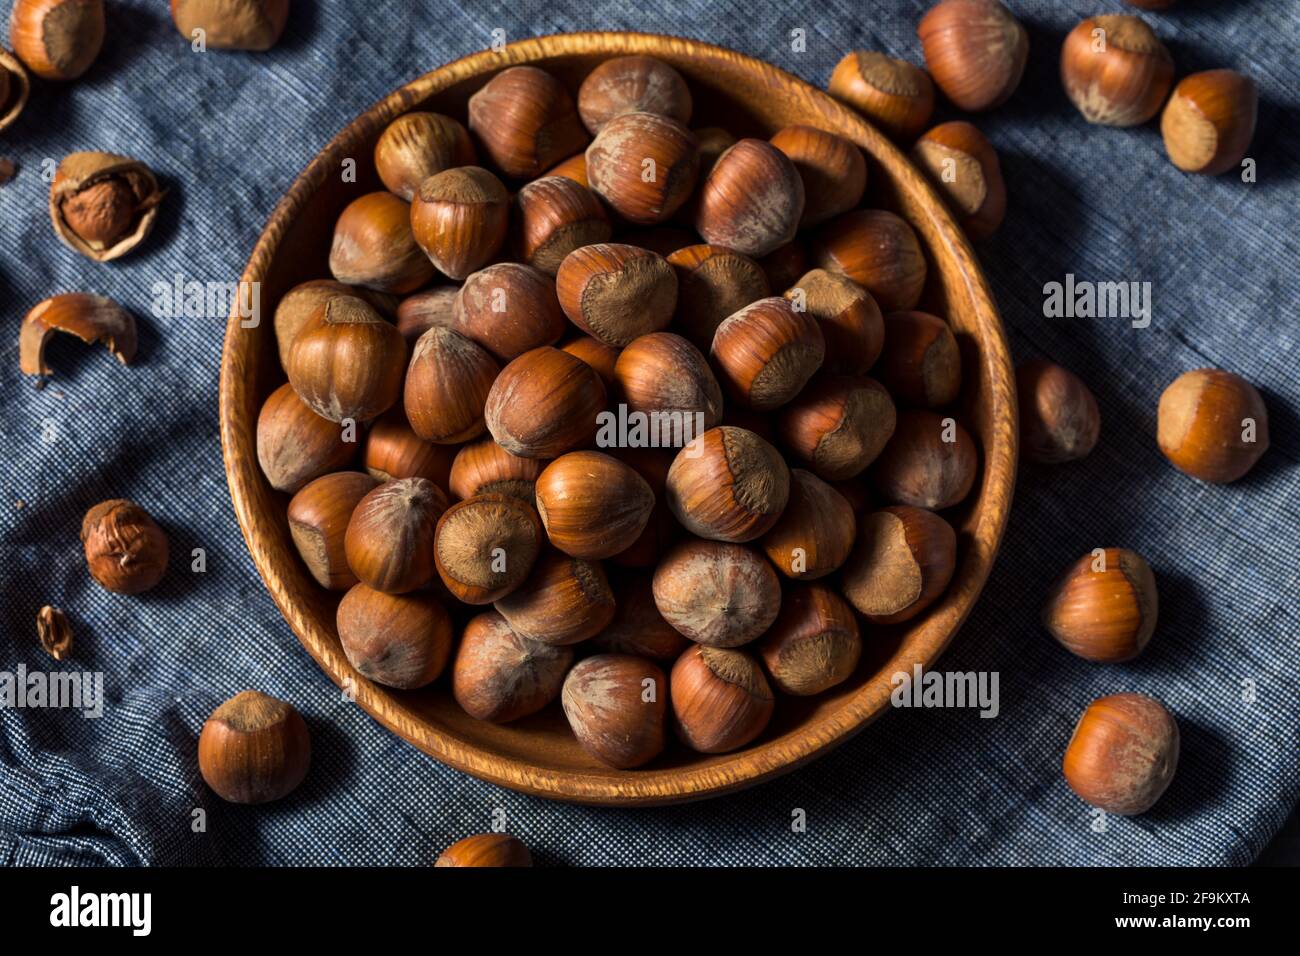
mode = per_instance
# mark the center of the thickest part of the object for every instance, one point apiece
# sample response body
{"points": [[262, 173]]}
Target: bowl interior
{"points": [[538, 754]]}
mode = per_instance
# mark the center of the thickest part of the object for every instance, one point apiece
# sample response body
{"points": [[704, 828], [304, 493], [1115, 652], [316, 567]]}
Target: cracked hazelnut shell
{"points": [[103, 205]]}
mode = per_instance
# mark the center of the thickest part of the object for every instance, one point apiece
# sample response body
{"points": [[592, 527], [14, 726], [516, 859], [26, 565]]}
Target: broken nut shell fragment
{"points": [[54, 632], [103, 205], [14, 88], [91, 318]]}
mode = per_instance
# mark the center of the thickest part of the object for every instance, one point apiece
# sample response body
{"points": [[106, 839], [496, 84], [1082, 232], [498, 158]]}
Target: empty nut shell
{"points": [[15, 87], [91, 318]]}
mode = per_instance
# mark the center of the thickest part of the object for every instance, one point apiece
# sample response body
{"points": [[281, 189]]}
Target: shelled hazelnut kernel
{"points": [[1104, 607], [920, 364], [1123, 753], [526, 120], [393, 450], [593, 506], [644, 165], [719, 594], [839, 424], [832, 169], [554, 216], [418, 145], [301, 304], [713, 283], [389, 540], [254, 749], [930, 462], [1212, 425], [57, 39], [398, 640], [617, 292], [318, 522], [485, 546], [601, 357], [816, 531], [347, 361], [901, 562], [294, 444], [632, 84], [975, 50], [663, 373], [1059, 419], [720, 699], [447, 385], [617, 707], [728, 485], [102, 205], [460, 218], [486, 849], [814, 643], [126, 551], [239, 25], [878, 251], [544, 403], [499, 676], [766, 353], [785, 265], [752, 200], [564, 600], [638, 628], [963, 166], [1209, 121], [1115, 70], [374, 246], [509, 309], [849, 318], [485, 468], [895, 95]]}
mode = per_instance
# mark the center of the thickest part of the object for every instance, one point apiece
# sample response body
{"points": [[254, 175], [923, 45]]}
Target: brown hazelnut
{"points": [[766, 353], [545, 403], [784, 265], [920, 364], [347, 362], [103, 205], [963, 166], [728, 485], [126, 551], [1059, 419], [617, 292], [713, 283], [509, 309], [850, 320], [720, 698], [902, 561], [232, 24], [484, 468], [1209, 121], [447, 385], [526, 121], [1123, 753], [616, 706], [574, 168], [393, 450], [486, 849], [1212, 425], [895, 95], [722, 595], [752, 200], [499, 676], [565, 600], [833, 171], [294, 444], [1104, 607], [601, 357], [57, 39], [1115, 70], [398, 640], [554, 216], [976, 51], [638, 628], [318, 522], [632, 84], [91, 318], [838, 424], [254, 749], [644, 165], [814, 643], [389, 540], [418, 145], [374, 246], [662, 374], [930, 462], [15, 87], [486, 546], [815, 533], [593, 506], [299, 306], [460, 218], [418, 313], [878, 251]]}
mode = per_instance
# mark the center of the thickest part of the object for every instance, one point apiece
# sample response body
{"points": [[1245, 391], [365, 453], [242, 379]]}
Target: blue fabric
{"points": [[228, 132]]}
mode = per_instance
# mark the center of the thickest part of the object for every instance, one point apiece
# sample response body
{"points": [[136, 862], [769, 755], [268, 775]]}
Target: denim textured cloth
{"points": [[227, 132]]}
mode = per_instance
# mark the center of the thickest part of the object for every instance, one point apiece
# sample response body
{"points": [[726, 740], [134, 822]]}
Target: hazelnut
{"points": [[752, 201], [930, 462], [447, 385], [544, 403], [254, 749], [895, 95], [485, 468], [713, 283], [784, 265], [616, 706], [963, 166], [565, 600], [1123, 753], [601, 357], [102, 205], [814, 643], [486, 546], [902, 561], [398, 640], [720, 698], [389, 540], [294, 444], [393, 450], [126, 551], [1115, 70], [509, 309], [920, 364], [301, 304], [767, 352], [1059, 420], [374, 246], [838, 424], [1212, 425], [57, 39], [91, 318], [644, 165], [499, 676], [55, 633], [1104, 607], [617, 292], [460, 218], [976, 51], [850, 320], [575, 168], [722, 595], [15, 87], [878, 251], [418, 145], [728, 485], [486, 849], [318, 522], [593, 506], [526, 121], [638, 628], [713, 142], [632, 84], [833, 171], [347, 362], [232, 24], [815, 533], [1209, 122], [664, 374], [554, 216]]}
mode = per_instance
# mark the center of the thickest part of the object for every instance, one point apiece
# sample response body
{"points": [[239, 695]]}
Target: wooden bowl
{"points": [[538, 755]]}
